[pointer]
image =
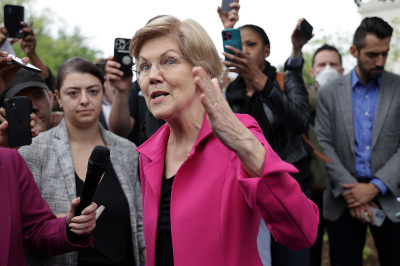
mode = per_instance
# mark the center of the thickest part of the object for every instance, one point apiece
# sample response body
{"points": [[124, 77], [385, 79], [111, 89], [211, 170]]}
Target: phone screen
{"points": [[18, 61], [13, 15]]}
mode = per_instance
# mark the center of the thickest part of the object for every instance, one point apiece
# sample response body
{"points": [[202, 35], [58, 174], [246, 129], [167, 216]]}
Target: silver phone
{"points": [[378, 214], [18, 61]]}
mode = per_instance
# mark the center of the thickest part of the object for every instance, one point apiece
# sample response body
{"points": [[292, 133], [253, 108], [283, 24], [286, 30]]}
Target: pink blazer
{"points": [[26, 219], [216, 208]]}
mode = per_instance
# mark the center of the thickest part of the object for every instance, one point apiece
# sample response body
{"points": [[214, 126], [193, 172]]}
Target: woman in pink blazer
{"points": [[26, 219], [208, 176]]}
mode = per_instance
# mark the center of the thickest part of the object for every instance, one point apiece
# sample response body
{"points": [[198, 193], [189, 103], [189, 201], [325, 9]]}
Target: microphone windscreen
{"points": [[100, 155]]}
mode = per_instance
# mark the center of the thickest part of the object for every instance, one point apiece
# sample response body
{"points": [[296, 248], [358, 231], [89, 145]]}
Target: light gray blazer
{"points": [[335, 129], [50, 160]]}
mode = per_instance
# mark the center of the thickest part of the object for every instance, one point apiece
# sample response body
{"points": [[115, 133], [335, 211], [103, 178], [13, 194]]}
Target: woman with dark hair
{"points": [[281, 111], [58, 159]]}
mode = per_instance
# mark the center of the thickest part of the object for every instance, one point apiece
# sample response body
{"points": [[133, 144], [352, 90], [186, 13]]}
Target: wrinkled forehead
{"points": [[155, 48]]}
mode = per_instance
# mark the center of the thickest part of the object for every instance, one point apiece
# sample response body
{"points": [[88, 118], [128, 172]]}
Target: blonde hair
{"points": [[192, 39]]}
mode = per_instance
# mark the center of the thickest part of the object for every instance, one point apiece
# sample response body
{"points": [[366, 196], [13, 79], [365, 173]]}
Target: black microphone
{"points": [[97, 164]]}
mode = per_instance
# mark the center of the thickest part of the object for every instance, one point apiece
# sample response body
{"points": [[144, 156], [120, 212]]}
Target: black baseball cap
{"points": [[24, 79]]}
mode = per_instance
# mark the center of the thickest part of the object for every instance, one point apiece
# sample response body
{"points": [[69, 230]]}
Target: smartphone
{"points": [[306, 29], [231, 37], [13, 15], [18, 110], [378, 214], [18, 61], [225, 5], [122, 56]]}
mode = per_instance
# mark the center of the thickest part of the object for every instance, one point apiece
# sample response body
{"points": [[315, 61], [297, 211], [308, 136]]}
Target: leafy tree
{"points": [[54, 50]]}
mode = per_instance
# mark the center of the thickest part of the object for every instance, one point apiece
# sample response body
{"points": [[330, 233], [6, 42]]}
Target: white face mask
{"points": [[326, 75]]}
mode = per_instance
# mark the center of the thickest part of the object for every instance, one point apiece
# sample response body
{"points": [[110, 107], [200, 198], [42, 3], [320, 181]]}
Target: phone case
{"points": [[225, 5], [18, 110], [306, 29], [122, 56], [379, 216], [231, 37], [13, 15]]}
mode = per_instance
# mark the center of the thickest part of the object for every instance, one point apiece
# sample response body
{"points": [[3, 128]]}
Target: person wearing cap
{"points": [[32, 85]]}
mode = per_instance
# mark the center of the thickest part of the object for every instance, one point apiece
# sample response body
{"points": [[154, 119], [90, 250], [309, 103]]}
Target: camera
{"points": [[226, 35]]}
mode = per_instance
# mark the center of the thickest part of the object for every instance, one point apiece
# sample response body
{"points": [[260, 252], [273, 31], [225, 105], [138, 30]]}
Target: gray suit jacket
{"points": [[335, 130], [50, 160]]}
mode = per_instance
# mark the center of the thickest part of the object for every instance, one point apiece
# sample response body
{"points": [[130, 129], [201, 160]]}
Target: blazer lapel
{"points": [[64, 156], [385, 98], [5, 221], [154, 151], [344, 100]]}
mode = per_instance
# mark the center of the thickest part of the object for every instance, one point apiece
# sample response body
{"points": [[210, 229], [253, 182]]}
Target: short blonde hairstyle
{"points": [[192, 39]]}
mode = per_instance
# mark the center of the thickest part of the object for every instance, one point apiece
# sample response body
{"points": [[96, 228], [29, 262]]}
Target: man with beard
{"points": [[358, 127]]}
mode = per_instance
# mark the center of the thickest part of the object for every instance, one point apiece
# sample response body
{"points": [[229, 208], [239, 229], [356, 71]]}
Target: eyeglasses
{"points": [[164, 64]]}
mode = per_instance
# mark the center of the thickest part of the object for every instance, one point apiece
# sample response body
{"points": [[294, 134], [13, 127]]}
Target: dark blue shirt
{"points": [[365, 99]]}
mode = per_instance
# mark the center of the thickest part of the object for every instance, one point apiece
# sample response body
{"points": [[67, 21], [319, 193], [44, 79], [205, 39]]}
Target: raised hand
{"points": [[230, 18]]}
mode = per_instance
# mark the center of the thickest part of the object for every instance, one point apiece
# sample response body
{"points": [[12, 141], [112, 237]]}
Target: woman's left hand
{"points": [[226, 126], [220, 116]]}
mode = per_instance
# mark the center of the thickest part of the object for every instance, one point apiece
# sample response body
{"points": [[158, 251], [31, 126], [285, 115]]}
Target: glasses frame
{"points": [[138, 75]]}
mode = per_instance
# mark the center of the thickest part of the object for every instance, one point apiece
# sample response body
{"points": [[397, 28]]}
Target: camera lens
{"points": [[11, 105]]}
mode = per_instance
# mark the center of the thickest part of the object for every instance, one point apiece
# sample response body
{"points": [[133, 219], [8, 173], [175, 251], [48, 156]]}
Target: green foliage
{"points": [[393, 61], [54, 50]]}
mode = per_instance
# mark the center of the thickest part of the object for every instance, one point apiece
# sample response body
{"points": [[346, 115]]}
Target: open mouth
{"points": [[158, 95]]}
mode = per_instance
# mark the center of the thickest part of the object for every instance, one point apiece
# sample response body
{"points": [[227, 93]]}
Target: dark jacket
{"points": [[282, 115]]}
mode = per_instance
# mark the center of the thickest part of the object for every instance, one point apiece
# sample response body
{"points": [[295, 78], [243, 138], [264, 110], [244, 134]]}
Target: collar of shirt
{"points": [[355, 80]]}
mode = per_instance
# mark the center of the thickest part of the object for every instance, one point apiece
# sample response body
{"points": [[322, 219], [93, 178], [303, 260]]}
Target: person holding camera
{"points": [[281, 112], [27, 219], [33, 86]]}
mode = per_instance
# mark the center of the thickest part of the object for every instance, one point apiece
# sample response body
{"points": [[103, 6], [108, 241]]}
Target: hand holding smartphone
{"points": [[122, 56], [18, 61], [13, 15], [306, 29], [378, 216], [231, 37], [18, 110], [225, 5]]}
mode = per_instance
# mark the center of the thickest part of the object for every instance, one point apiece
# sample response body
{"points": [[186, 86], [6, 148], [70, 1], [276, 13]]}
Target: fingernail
{"points": [[398, 215], [20, 31], [398, 199], [21, 22]]}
